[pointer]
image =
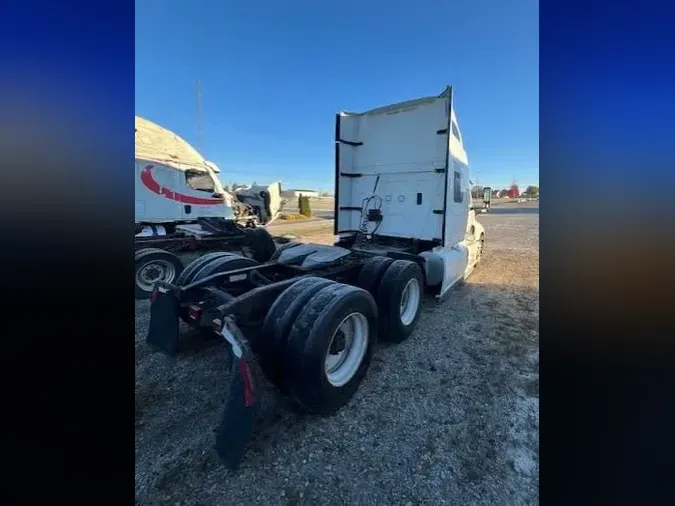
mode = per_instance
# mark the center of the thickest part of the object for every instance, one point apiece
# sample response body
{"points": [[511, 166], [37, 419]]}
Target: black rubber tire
{"points": [[146, 255], [371, 273], [283, 247], [261, 243], [186, 277], [308, 343], [143, 251], [221, 264], [278, 323], [394, 280]]}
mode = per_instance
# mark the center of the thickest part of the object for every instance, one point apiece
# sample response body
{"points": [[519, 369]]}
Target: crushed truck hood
{"points": [[158, 144]]}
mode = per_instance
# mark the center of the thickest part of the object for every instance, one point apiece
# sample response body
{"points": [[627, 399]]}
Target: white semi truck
{"points": [[312, 314], [180, 204], [402, 182]]}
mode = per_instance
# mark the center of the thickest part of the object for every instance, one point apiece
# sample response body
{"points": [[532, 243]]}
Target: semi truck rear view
{"points": [[312, 314], [402, 182]]}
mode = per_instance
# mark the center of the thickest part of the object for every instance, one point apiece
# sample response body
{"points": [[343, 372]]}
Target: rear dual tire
{"points": [[371, 273], [186, 276], [213, 263], [397, 286], [399, 298], [278, 323], [320, 336]]}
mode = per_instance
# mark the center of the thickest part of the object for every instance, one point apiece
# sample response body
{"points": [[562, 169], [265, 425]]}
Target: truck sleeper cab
{"points": [[402, 180]]}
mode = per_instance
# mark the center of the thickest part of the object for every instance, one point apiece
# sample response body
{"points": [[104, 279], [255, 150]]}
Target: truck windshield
{"points": [[200, 181]]}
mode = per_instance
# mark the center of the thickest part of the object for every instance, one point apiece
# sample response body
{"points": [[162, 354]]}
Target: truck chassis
{"points": [[156, 255], [310, 316]]}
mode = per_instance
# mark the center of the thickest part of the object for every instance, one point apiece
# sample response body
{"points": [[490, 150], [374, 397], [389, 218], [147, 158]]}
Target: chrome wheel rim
{"points": [[346, 349], [410, 301]]}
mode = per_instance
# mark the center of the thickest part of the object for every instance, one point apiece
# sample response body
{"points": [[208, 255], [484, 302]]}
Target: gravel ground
{"points": [[451, 416]]}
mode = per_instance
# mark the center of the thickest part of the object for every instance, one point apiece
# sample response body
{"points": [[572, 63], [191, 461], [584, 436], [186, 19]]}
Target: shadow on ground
{"points": [[323, 215], [512, 210]]}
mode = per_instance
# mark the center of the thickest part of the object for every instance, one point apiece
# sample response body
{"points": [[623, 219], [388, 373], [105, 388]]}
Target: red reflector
{"points": [[194, 312], [154, 296], [245, 371]]}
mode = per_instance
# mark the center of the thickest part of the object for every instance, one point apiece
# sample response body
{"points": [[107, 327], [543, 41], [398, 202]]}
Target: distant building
{"points": [[297, 193], [513, 192]]}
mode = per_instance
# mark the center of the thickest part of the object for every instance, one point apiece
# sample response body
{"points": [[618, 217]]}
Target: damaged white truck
{"points": [[180, 204], [312, 314]]}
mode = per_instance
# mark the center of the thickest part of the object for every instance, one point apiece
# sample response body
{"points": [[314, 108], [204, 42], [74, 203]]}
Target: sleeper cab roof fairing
{"points": [[400, 105]]}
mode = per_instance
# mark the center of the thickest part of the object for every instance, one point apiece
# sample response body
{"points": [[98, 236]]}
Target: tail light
{"points": [[245, 371], [194, 312]]}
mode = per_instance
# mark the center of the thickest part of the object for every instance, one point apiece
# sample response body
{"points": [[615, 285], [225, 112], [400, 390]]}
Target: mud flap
{"points": [[163, 329], [238, 420]]}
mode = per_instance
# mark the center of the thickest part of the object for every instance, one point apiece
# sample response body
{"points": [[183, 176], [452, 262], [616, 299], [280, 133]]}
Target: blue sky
{"points": [[273, 74]]}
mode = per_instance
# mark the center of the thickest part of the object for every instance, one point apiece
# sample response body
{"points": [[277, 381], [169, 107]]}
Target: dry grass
{"points": [[292, 216], [306, 230]]}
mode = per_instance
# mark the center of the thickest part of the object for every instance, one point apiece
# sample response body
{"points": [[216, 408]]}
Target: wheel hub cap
{"points": [[410, 301], [153, 272], [339, 343], [347, 349]]}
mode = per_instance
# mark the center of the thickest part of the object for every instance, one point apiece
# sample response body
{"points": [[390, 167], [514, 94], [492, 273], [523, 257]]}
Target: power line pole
{"points": [[200, 117]]}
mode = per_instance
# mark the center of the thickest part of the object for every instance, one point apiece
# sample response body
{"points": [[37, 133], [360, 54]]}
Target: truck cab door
{"points": [[156, 186], [202, 196]]}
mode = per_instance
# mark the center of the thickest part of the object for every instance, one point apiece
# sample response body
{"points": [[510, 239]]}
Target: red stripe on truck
{"points": [[151, 184]]}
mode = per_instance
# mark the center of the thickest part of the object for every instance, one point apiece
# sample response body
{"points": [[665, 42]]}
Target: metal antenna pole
{"points": [[200, 117]]}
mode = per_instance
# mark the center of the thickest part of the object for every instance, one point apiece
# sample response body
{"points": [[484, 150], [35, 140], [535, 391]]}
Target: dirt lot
{"points": [[448, 417]]}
